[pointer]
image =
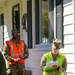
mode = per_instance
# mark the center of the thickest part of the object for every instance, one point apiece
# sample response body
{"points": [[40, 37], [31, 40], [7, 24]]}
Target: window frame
{"points": [[52, 31], [38, 22]]}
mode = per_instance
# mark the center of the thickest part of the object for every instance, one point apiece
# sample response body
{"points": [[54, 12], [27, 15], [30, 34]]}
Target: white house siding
{"points": [[68, 34], [7, 10], [1, 32], [1, 37], [23, 10], [33, 62], [2, 3]]}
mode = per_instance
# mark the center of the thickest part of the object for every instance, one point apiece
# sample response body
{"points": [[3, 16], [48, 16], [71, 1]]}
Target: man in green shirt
{"points": [[52, 57]]}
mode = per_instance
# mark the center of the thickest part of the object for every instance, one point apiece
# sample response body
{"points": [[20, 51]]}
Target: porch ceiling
{"points": [[2, 3]]}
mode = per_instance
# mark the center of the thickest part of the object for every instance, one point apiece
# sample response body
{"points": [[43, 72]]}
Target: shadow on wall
{"points": [[66, 1], [28, 72]]}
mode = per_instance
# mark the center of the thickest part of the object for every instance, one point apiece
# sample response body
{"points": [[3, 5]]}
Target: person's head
{"points": [[16, 34], [56, 45]]}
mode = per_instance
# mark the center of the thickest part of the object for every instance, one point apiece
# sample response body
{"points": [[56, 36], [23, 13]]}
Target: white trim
{"points": [[40, 13], [33, 22], [21, 31], [54, 18], [74, 31]]}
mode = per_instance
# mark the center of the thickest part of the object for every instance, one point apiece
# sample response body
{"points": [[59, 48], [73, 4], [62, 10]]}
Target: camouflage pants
{"points": [[16, 69]]}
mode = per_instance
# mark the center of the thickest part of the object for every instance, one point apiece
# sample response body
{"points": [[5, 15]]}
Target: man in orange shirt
{"points": [[15, 52]]}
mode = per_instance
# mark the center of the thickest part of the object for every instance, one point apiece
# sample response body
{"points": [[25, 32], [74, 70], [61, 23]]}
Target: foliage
{"points": [[45, 24]]}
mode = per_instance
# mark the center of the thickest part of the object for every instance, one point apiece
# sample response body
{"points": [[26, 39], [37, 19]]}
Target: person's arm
{"points": [[64, 66], [43, 62], [26, 52], [6, 53]]}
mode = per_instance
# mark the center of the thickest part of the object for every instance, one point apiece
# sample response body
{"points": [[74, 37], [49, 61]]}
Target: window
{"points": [[48, 20], [16, 17], [44, 21]]}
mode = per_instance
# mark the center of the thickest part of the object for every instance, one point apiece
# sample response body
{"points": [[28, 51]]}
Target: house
{"points": [[40, 21]]}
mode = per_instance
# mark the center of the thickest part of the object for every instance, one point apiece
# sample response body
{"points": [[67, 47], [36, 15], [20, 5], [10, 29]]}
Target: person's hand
{"points": [[55, 66], [24, 56], [48, 70], [15, 60]]}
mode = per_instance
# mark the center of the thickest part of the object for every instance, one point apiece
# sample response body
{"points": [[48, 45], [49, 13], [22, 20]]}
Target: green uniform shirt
{"points": [[62, 68]]}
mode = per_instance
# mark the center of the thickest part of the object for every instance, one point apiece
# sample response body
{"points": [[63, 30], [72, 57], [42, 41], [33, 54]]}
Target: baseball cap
{"points": [[15, 31], [57, 43]]}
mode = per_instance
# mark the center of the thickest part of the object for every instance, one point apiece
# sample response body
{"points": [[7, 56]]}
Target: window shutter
{"points": [[29, 22], [59, 19], [51, 20], [1, 19], [37, 21]]}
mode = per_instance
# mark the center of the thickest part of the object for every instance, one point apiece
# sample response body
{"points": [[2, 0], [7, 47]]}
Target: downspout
{"points": [[33, 22]]}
